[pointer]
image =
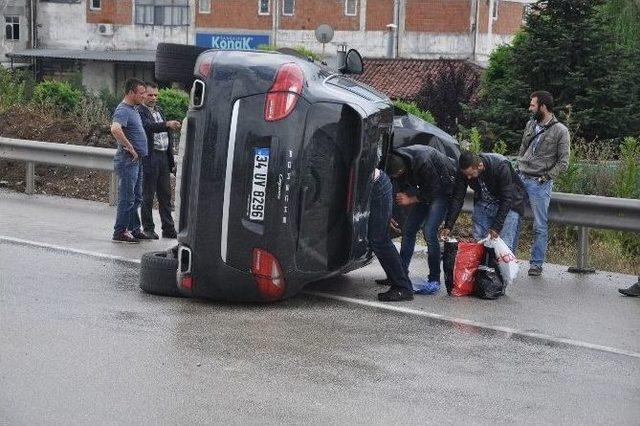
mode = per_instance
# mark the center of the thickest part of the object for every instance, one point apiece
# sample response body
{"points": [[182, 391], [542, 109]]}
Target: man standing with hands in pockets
{"points": [[544, 154], [127, 128]]}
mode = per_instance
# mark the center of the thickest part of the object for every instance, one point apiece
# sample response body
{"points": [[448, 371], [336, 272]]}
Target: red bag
{"points": [[468, 259]]}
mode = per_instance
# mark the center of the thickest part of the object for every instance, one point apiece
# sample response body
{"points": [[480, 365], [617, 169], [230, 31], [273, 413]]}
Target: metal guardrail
{"points": [[586, 212], [34, 152], [583, 211]]}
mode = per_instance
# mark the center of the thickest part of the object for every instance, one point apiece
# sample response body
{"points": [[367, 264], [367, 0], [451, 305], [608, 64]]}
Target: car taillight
{"points": [[268, 274], [283, 95], [186, 282], [205, 64]]}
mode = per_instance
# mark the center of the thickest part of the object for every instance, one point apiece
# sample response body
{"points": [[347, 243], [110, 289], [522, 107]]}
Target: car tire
{"points": [[175, 62], [158, 273]]}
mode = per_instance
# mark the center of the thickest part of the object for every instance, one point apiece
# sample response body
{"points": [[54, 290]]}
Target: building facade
{"points": [[110, 40], [16, 34]]}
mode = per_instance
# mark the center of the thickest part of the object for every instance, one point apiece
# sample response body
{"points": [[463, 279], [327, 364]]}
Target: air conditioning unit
{"points": [[105, 29]]}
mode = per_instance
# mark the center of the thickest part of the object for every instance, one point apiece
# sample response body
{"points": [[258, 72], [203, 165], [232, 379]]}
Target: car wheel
{"points": [[175, 62], [158, 273]]}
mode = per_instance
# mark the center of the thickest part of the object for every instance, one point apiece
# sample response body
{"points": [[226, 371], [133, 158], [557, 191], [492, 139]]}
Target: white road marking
{"points": [[95, 254], [507, 331]]}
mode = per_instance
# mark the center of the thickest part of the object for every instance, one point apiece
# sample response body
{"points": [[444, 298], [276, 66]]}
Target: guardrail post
{"points": [[30, 178], [113, 189], [583, 253]]}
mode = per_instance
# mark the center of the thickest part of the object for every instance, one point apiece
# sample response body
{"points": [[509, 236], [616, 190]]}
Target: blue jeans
{"points": [[129, 191], [484, 214], [379, 240], [539, 198], [428, 216]]}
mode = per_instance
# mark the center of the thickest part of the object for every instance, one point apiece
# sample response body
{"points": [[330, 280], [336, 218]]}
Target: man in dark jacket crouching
{"points": [[498, 199], [158, 165], [425, 177]]}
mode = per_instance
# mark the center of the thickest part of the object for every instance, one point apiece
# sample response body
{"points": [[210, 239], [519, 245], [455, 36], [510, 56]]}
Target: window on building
{"points": [[350, 7], [496, 6], [204, 6], [264, 7], [288, 7], [95, 5], [148, 13], [12, 27]]}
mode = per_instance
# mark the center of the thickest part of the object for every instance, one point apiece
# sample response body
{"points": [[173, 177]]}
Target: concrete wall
{"points": [[65, 26], [13, 8], [412, 44], [98, 75]]}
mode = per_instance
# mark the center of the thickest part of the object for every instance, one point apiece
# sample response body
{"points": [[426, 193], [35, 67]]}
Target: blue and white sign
{"points": [[231, 41]]}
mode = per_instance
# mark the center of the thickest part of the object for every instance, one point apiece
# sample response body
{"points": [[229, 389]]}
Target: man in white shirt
{"points": [[158, 165]]}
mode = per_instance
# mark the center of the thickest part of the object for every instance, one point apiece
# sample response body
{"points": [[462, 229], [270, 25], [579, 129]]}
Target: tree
{"points": [[567, 47], [456, 84]]}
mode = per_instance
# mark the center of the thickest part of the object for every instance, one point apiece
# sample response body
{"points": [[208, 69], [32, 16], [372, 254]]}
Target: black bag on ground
{"points": [[449, 262], [489, 283]]}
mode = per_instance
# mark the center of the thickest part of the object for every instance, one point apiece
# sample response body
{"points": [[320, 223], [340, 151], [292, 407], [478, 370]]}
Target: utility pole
{"points": [[275, 25]]}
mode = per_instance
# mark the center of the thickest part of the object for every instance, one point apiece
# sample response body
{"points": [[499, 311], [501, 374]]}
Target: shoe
{"points": [[169, 234], [535, 271], [151, 235], [386, 281], [125, 237], [138, 234], [633, 291], [396, 294], [432, 287]]}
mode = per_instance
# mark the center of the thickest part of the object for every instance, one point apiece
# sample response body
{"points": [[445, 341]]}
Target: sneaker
{"points": [[169, 234], [535, 271], [125, 237], [151, 235], [396, 294], [138, 234], [432, 287], [633, 291], [386, 281]]}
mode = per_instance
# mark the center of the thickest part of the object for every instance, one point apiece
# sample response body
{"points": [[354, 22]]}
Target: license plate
{"points": [[258, 197]]}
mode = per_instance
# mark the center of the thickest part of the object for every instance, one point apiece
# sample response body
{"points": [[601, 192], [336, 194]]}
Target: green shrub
{"points": [[109, 99], [568, 181], [302, 50], [57, 94], [12, 88], [414, 109], [500, 147], [307, 53], [475, 140], [626, 185], [174, 103]]}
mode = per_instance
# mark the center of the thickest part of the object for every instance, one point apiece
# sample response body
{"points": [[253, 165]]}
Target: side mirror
{"points": [[353, 63]]}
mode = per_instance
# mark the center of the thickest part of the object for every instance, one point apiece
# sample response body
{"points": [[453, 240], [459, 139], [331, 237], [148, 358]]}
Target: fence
{"points": [[583, 211]]}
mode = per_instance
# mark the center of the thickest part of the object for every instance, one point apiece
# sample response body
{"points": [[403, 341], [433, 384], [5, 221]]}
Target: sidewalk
{"points": [[586, 308]]}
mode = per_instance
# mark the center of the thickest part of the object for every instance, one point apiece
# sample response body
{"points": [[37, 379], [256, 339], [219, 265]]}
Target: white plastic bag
{"points": [[507, 262]]}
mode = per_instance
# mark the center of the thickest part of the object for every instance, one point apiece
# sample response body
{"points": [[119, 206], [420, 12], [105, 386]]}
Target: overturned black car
{"points": [[275, 172]]}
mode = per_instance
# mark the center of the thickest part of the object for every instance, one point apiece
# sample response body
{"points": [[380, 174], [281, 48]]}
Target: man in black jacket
{"points": [[498, 199], [426, 178], [158, 165]]}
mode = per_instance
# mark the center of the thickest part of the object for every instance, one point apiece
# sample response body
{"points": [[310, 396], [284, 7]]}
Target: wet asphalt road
{"points": [[80, 344]]}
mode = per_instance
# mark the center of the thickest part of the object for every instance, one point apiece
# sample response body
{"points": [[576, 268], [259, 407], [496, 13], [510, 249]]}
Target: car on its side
{"points": [[274, 173]]}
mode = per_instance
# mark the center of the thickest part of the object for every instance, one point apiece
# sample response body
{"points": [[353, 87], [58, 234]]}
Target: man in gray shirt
{"points": [[544, 154], [127, 163]]}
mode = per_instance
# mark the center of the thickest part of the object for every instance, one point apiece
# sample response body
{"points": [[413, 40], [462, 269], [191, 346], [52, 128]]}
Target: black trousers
{"points": [[156, 182]]}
